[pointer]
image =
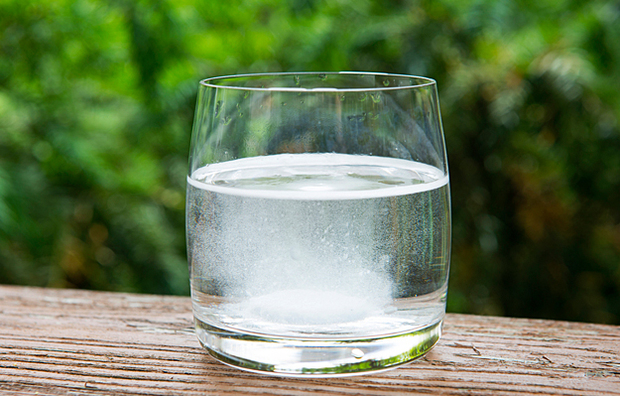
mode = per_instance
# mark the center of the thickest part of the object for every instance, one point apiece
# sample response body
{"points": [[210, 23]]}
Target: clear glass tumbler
{"points": [[318, 221]]}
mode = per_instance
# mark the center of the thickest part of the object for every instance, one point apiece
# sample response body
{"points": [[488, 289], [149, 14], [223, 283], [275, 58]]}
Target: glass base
{"points": [[315, 357]]}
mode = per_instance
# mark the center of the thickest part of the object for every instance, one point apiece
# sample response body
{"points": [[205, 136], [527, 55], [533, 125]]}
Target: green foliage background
{"points": [[96, 106]]}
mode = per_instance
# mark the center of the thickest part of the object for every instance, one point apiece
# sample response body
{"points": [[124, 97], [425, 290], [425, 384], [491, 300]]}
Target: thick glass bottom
{"points": [[307, 357]]}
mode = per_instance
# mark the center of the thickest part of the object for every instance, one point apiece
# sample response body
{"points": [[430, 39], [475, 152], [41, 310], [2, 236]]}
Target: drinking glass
{"points": [[318, 221]]}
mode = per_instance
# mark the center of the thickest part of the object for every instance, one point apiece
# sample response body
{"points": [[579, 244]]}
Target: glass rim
{"points": [[426, 82]]}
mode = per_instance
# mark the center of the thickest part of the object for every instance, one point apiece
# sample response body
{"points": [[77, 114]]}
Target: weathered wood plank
{"points": [[58, 342]]}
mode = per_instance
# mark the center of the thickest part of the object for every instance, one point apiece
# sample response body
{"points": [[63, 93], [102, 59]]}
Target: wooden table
{"points": [[75, 342]]}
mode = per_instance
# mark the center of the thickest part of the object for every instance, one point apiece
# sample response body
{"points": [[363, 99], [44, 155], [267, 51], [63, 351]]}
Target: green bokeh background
{"points": [[97, 100]]}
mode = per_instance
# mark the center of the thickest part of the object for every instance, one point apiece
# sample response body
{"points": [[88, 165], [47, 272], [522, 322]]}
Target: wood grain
{"points": [[61, 342]]}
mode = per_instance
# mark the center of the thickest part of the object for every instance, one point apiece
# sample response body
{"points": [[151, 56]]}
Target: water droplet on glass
{"points": [[226, 120], [386, 83], [301, 102], [297, 81], [376, 98], [218, 107], [357, 353], [246, 94], [363, 97], [283, 103], [342, 98], [322, 76]]}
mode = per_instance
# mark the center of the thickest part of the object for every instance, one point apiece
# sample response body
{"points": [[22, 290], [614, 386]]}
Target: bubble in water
{"points": [[357, 353], [356, 118], [386, 83], [296, 254], [322, 76], [390, 309]]}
